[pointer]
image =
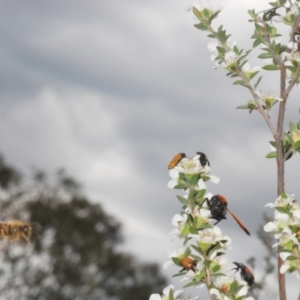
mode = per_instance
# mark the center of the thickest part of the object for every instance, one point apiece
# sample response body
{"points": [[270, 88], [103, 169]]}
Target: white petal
{"points": [[172, 184], [167, 264], [284, 255], [296, 213], [176, 219], [205, 213], [201, 184], [212, 47], [283, 269], [270, 204], [217, 231], [177, 293], [174, 173], [214, 291], [214, 179], [294, 9], [270, 227], [243, 291], [280, 11], [281, 216], [167, 289], [208, 196], [155, 297]]}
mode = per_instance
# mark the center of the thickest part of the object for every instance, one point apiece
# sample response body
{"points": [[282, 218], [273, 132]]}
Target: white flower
{"points": [[281, 201], [284, 268], [284, 255], [268, 97], [248, 70], [281, 12], [179, 222], [165, 295], [176, 253], [270, 226], [279, 216], [287, 265], [219, 296], [293, 55], [208, 235], [192, 166], [223, 284], [208, 5], [212, 47], [243, 291], [226, 61], [285, 236]]}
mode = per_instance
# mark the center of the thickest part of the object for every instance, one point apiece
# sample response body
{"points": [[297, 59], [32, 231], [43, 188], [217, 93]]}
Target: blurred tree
{"points": [[74, 254]]}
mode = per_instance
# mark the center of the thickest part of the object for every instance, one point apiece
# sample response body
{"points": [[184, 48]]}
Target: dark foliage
{"points": [[74, 253]]}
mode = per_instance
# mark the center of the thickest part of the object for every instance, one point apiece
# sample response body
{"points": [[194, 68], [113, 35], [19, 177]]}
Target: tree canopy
{"points": [[74, 250]]}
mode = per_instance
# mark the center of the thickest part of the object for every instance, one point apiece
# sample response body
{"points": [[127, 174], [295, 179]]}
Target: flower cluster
{"points": [[201, 258], [286, 229], [290, 142]]}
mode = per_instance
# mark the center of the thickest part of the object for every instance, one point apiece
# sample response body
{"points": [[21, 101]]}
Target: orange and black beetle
{"points": [[245, 272]]}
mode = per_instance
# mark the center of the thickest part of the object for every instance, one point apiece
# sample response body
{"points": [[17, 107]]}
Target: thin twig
{"points": [[208, 283]]}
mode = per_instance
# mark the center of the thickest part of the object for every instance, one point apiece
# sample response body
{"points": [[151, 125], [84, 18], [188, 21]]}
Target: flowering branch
{"points": [[202, 255], [284, 58]]}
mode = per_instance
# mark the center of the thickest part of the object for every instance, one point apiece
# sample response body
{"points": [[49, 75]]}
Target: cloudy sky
{"points": [[111, 90]]}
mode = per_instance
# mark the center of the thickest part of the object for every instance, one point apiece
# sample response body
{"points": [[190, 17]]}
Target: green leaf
{"points": [[293, 127], [200, 194], [295, 63], [271, 155], [221, 50], [262, 40], [183, 200], [193, 230], [242, 107], [239, 82], [191, 284], [192, 194], [272, 143], [233, 287], [216, 268], [178, 274], [265, 55], [204, 226], [292, 257], [176, 261], [257, 82], [197, 13], [282, 2], [214, 15], [277, 49], [258, 28], [270, 68], [182, 186], [211, 36], [252, 75], [171, 296], [292, 69], [194, 179], [256, 43], [206, 13], [197, 249], [296, 146], [283, 195], [201, 26]]}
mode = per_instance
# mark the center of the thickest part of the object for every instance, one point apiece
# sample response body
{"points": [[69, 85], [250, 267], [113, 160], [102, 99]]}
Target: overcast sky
{"points": [[111, 90]]}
